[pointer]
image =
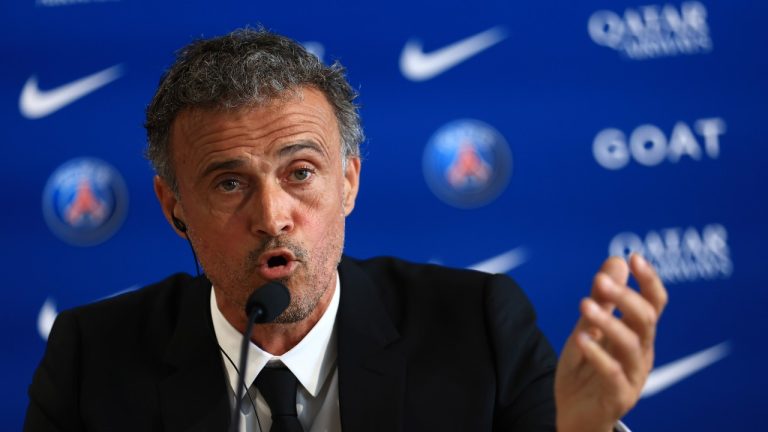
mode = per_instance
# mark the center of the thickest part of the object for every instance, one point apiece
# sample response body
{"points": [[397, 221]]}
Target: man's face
{"points": [[264, 196]]}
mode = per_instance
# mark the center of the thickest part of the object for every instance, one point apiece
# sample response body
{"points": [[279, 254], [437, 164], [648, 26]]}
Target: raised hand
{"points": [[606, 360]]}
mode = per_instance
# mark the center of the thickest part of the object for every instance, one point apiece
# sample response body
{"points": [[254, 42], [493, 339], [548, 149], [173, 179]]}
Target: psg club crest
{"points": [[85, 201], [467, 163]]}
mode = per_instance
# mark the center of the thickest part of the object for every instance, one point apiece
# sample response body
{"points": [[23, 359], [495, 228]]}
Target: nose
{"points": [[272, 215]]}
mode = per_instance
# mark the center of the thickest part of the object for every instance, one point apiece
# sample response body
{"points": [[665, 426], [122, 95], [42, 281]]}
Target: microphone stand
{"points": [[263, 306]]}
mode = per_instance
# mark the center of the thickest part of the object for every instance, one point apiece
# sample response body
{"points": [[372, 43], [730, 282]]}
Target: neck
{"points": [[276, 339]]}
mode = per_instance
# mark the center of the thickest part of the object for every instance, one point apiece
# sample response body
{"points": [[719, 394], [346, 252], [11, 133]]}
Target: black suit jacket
{"points": [[420, 347]]}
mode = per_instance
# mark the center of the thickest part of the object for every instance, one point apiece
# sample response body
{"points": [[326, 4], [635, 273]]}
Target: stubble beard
{"points": [[315, 274], [311, 280], [319, 277]]}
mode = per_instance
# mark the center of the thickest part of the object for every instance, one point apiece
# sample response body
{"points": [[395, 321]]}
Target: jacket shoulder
{"points": [[442, 294], [149, 313], [163, 290], [119, 342], [420, 275], [436, 309]]}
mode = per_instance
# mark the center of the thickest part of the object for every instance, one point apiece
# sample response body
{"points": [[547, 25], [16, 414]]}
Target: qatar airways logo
{"points": [[649, 145], [653, 31], [680, 254]]}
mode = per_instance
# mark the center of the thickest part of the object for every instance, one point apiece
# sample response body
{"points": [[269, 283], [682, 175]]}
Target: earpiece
{"points": [[179, 224]]}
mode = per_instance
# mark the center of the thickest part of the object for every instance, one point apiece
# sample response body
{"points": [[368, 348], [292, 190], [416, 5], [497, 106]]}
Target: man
{"points": [[256, 148]]}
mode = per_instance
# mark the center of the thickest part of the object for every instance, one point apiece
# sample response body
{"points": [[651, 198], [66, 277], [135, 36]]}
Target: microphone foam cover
{"points": [[268, 302]]}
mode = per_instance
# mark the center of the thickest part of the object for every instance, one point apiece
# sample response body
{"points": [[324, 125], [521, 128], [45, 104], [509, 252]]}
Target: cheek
{"points": [[218, 242], [215, 223], [323, 209], [319, 227], [325, 227]]}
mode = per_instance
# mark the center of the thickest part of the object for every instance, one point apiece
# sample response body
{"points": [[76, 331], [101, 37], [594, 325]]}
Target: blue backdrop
{"points": [[531, 138]]}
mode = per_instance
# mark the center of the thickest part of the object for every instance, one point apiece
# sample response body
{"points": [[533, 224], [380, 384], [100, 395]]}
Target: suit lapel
{"points": [[193, 395], [371, 363]]}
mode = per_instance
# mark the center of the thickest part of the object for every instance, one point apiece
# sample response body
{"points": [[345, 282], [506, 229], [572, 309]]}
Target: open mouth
{"points": [[277, 264], [277, 261]]}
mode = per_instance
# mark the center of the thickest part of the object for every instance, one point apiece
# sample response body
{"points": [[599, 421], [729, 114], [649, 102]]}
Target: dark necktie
{"points": [[278, 386]]}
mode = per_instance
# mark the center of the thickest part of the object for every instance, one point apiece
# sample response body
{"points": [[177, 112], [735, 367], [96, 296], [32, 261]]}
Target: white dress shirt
{"points": [[312, 361]]}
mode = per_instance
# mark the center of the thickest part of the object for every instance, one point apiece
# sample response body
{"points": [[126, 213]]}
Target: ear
{"points": [[169, 204], [351, 184]]}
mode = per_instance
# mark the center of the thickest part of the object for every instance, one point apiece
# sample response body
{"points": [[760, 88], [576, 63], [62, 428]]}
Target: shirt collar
{"points": [[311, 360]]}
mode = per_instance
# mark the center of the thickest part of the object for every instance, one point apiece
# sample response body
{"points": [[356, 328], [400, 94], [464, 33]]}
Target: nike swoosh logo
{"points": [[316, 48], [35, 103], [502, 263], [663, 377], [416, 65], [46, 317], [48, 313]]}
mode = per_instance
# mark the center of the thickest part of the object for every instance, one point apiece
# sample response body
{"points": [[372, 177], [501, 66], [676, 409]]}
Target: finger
{"points": [[605, 365], [651, 286], [637, 312], [615, 269], [583, 325], [571, 357], [624, 343]]}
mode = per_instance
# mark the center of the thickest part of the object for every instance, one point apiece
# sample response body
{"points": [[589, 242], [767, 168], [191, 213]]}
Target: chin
{"points": [[293, 314]]}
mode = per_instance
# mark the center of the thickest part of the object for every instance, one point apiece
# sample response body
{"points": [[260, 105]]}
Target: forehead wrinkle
{"points": [[213, 159], [298, 116], [280, 124], [294, 137], [286, 127], [197, 136]]}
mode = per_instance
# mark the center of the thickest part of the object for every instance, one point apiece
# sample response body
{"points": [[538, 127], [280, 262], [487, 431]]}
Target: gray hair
{"points": [[246, 68]]}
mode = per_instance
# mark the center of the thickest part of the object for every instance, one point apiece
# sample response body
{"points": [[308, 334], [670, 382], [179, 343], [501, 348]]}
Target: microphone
{"points": [[267, 303], [263, 306]]}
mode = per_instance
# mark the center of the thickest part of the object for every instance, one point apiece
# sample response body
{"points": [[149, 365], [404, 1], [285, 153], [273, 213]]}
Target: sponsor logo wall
{"points": [[495, 142]]}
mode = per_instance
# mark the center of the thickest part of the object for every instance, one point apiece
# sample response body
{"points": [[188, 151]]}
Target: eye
{"points": [[302, 174], [229, 185]]}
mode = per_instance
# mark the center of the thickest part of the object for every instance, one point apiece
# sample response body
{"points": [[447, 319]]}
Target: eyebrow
{"points": [[224, 165], [286, 151], [299, 146]]}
